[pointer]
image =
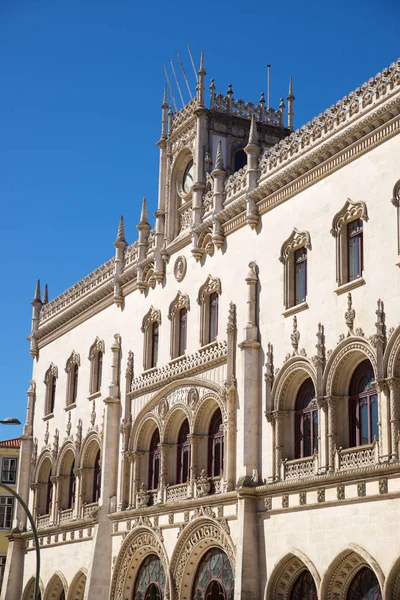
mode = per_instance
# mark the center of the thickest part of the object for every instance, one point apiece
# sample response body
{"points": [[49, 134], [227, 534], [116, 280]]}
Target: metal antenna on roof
{"points": [[177, 82], [269, 87], [191, 60], [184, 75], [170, 89]]}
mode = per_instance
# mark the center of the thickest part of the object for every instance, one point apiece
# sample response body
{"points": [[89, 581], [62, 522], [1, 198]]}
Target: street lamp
{"points": [[15, 421]]}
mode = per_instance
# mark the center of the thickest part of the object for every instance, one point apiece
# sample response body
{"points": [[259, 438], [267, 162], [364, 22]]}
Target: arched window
{"points": [[183, 456], [49, 495], [363, 406], [365, 586], [150, 582], [240, 160], [50, 379], [154, 461], [182, 331], [306, 420], [96, 478], [154, 344], [213, 312], [214, 578], [216, 445], [304, 588], [71, 486]]}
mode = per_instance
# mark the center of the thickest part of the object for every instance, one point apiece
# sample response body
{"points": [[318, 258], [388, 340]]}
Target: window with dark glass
{"points": [[96, 478], [182, 331], [154, 344], [154, 461], [213, 317], [363, 406], [365, 586], [304, 587], [9, 470], [214, 578], [6, 511], [306, 420], [2, 568], [98, 372], [74, 384], [240, 160], [49, 495], [355, 249], [300, 280], [71, 486], [183, 455], [52, 393], [216, 445]]}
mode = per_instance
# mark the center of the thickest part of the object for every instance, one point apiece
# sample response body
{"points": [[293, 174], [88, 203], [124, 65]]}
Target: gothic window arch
{"points": [[396, 203], [150, 580], [96, 354], [154, 461], [50, 380], [365, 586], [216, 445], [214, 577], [183, 453], [347, 229], [294, 256], [96, 490], [90, 471], [239, 159], [178, 312], [208, 300], [363, 406], [306, 432], [304, 587], [44, 489], [150, 327], [72, 370]]}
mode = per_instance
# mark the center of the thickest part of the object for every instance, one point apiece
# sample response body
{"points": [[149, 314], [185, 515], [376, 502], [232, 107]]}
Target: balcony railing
{"points": [[65, 516], [177, 492], [89, 510], [355, 458], [299, 467], [43, 521]]}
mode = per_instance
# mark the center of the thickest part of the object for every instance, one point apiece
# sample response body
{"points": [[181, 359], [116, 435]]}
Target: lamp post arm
{"points": [[35, 535]]}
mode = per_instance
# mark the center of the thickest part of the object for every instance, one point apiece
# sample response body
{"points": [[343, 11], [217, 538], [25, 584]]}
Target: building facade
{"points": [[9, 452], [215, 412]]}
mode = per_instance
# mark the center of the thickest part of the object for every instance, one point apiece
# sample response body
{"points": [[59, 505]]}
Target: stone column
{"points": [[323, 452], [194, 453], [279, 417], [231, 398], [55, 503], [383, 392], [163, 472], [332, 409], [394, 388], [247, 581], [135, 476], [76, 513]]}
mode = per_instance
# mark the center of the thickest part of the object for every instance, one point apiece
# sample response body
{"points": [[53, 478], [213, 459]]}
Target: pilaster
{"points": [[394, 389], [247, 580]]}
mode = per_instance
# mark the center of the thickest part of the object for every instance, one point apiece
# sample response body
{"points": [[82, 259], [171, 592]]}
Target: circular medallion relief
{"points": [[180, 268]]}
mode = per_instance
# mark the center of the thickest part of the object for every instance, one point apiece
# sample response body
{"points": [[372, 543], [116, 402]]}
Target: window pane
{"points": [[182, 331], [300, 284], [315, 430], [354, 241], [217, 457], [374, 417], [213, 327], [364, 422], [307, 450], [154, 345]]}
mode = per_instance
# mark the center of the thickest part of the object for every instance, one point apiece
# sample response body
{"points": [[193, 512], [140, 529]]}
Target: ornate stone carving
{"points": [[211, 285], [321, 495], [361, 489], [285, 501], [192, 398], [129, 365], [297, 239], [295, 336], [350, 315], [303, 498], [68, 425], [231, 325], [95, 348], [46, 434], [340, 492], [268, 503], [153, 315], [383, 485], [180, 301], [74, 359], [180, 267], [203, 485], [143, 497], [163, 408]]}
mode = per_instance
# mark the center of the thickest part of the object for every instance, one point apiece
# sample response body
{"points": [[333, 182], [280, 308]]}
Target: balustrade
{"points": [[299, 467], [354, 458]]}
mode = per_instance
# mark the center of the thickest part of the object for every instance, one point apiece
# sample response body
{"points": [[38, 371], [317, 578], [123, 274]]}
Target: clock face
{"points": [[188, 178]]}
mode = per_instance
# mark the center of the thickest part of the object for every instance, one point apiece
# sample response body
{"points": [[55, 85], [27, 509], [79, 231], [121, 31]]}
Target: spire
{"points": [[200, 85], [219, 161], [121, 230], [143, 214], [46, 294], [164, 102], [290, 100], [253, 136], [37, 299]]}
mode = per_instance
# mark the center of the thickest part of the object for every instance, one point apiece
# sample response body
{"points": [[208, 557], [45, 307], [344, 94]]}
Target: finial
{"points": [[143, 213], [164, 102], [350, 314], [262, 98], [201, 70], [46, 295], [219, 161], [121, 230], [230, 90], [37, 299], [269, 374], [290, 100], [253, 136], [200, 82]]}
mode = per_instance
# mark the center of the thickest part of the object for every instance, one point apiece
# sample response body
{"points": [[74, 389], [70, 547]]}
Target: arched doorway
{"points": [[214, 578], [150, 581], [365, 586]]}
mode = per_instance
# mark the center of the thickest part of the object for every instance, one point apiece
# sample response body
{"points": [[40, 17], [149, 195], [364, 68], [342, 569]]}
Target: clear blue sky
{"points": [[81, 84]]}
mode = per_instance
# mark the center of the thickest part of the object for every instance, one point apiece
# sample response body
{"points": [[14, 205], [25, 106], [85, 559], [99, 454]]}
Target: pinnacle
{"points": [[37, 292], [164, 102], [253, 136], [219, 161], [143, 214], [46, 294], [201, 70], [290, 89], [121, 230]]}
